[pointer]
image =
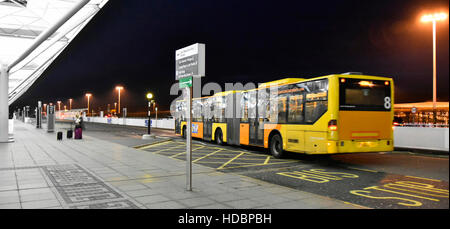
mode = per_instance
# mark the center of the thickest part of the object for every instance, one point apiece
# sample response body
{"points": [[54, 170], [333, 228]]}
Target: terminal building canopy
{"points": [[21, 21]]}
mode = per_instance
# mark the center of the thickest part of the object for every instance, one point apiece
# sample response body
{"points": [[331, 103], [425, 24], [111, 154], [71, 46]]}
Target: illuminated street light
{"points": [[434, 18], [119, 88], [88, 95], [59, 105], [149, 97]]}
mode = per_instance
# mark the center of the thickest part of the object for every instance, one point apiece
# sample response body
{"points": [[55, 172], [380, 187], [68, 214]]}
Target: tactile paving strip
{"points": [[80, 189]]}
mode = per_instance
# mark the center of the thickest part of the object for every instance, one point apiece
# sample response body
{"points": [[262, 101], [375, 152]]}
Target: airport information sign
{"points": [[190, 61]]}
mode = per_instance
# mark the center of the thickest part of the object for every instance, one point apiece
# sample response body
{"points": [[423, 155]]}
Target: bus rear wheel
{"points": [[219, 137], [276, 146]]}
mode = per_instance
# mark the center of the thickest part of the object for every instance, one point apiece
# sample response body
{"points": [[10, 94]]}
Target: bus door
{"points": [[207, 129], [231, 120], [256, 125], [177, 126], [207, 119]]}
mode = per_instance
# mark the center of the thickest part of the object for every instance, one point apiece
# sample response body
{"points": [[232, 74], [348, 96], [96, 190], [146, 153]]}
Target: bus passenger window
{"points": [[282, 106], [314, 110], [295, 109], [244, 107]]}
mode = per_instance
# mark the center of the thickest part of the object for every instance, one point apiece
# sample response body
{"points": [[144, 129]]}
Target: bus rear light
{"points": [[332, 125]]}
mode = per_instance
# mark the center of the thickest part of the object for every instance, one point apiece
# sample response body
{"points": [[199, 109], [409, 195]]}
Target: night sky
{"points": [[133, 43]]}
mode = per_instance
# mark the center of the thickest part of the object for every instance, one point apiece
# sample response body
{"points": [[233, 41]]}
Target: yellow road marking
{"points": [[267, 160], [400, 193], [424, 178], [228, 162], [152, 145], [241, 166], [366, 170], [356, 205], [158, 151], [207, 155], [175, 155]]}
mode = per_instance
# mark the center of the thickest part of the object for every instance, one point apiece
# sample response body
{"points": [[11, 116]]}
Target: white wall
{"points": [[160, 123], [405, 137], [421, 138]]}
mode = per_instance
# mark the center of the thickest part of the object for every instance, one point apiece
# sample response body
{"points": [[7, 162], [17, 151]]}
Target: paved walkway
{"points": [[37, 171]]}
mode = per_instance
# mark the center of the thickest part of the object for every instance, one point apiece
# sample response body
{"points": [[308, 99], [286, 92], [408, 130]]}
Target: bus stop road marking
{"points": [[228, 162], [250, 165], [424, 178], [157, 144], [207, 155]]}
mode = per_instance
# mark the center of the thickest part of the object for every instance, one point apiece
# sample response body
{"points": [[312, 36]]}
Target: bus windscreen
{"points": [[364, 95]]}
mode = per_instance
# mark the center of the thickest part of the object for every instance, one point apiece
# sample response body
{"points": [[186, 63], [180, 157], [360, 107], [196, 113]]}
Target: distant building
{"points": [[421, 113]]}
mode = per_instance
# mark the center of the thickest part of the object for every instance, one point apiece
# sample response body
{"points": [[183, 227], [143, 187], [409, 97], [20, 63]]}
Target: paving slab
{"points": [[37, 171]]}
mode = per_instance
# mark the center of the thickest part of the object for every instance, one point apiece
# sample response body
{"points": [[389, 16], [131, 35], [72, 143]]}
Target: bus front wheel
{"points": [[276, 146]]}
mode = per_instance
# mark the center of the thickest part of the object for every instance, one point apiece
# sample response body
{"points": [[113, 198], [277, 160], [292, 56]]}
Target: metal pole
{"points": [[39, 115], [88, 105], [189, 139], [119, 101], [149, 121], [434, 71]]}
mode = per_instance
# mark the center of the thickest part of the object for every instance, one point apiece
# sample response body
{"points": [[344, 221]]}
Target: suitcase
{"points": [[78, 133], [69, 134], [59, 136]]}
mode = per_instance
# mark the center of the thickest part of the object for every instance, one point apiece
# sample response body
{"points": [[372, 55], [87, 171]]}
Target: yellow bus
{"points": [[339, 113]]}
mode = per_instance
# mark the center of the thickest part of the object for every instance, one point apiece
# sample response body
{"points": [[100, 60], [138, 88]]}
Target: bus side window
{"points": [[244, 107], [317, 100], [314, 110], [263, 105], [295, 114], [252, 104], [282, 108]]}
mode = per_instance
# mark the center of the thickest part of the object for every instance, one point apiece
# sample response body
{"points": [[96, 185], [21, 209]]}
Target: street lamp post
{"points": [[150, 101], [156, 118], [119, 88], [45, 109], [59, 105], [434, 18], [88, 95], [70, 104]]}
